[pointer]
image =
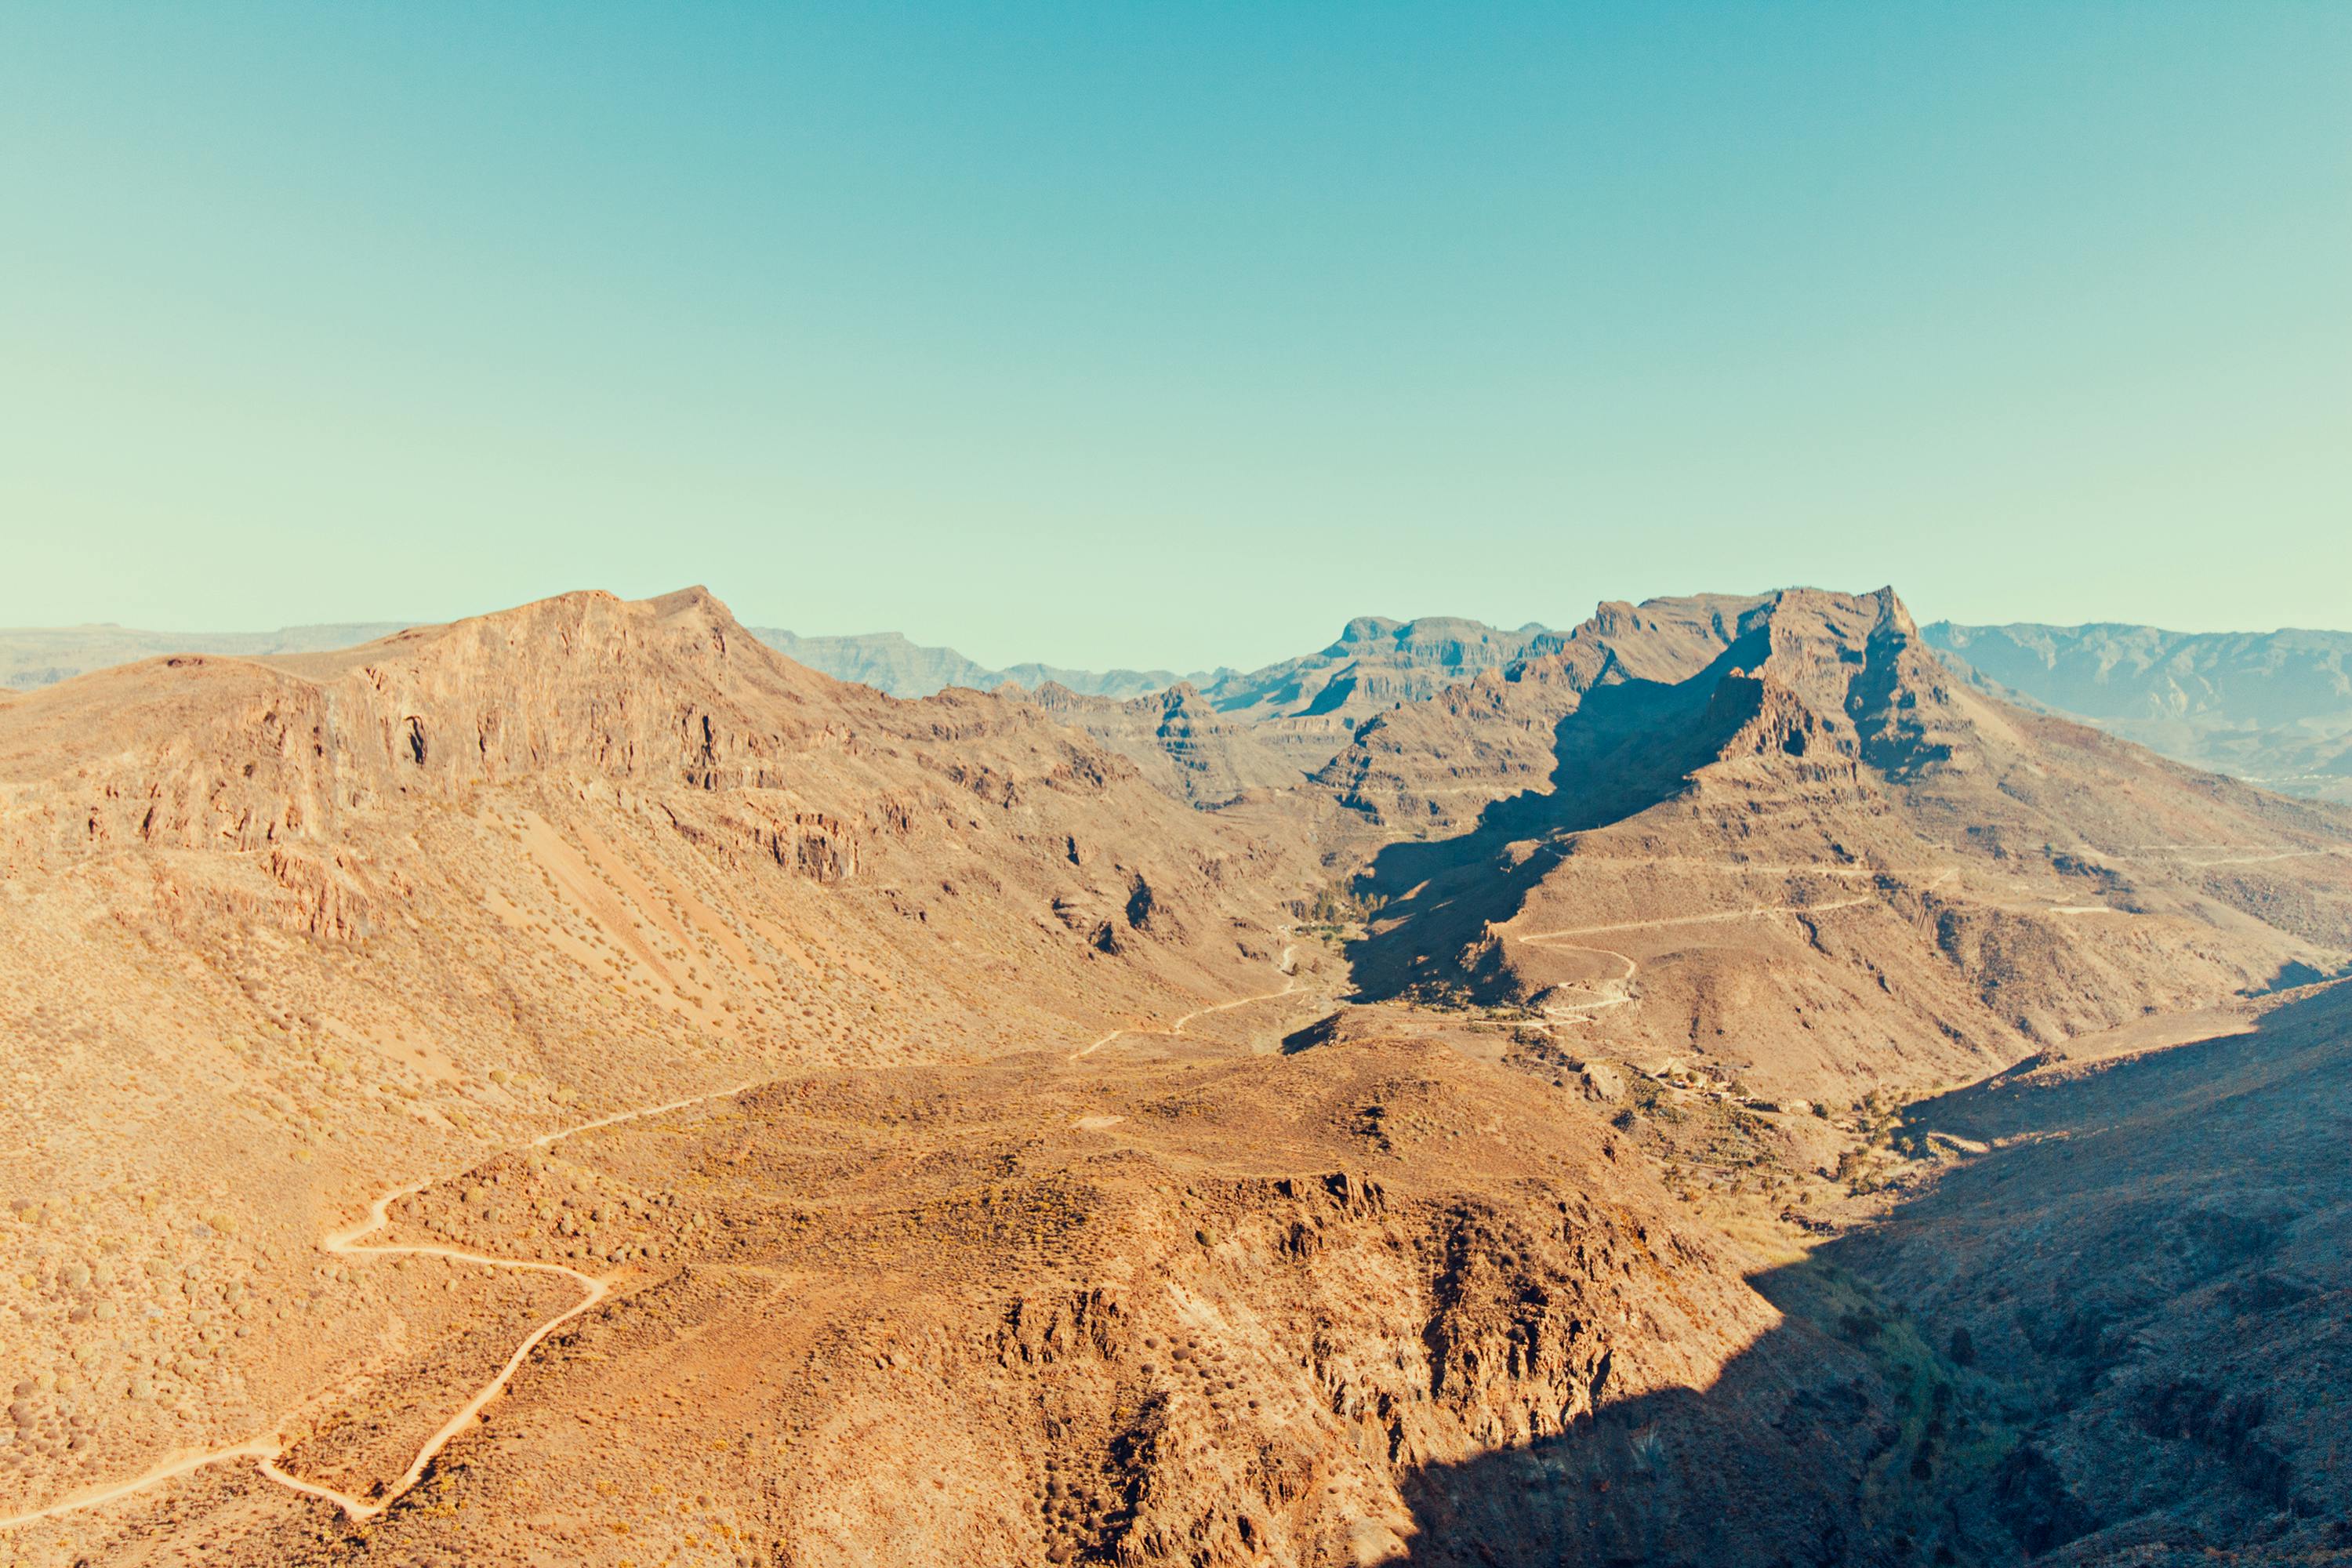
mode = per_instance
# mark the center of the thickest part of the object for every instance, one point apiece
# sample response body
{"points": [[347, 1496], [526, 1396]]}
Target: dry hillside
{"points": [[575, 1086]]}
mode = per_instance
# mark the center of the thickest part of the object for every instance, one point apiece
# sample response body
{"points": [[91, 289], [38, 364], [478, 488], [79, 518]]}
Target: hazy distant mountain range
{"points": [[1375, 662], [889, 661], [2272, 707], [43, 656]]}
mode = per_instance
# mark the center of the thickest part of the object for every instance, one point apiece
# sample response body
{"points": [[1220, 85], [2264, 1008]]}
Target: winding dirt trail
{"points": [[1289, 984], [270, 1446], [1619, 994]]}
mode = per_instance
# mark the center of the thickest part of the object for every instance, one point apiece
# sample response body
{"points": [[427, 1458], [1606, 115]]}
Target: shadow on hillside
{"points": [[2294, 974], [1627, 746], [2127, 1337]]}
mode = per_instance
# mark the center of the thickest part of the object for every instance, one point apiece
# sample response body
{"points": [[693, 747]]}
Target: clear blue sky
{"points": [[1173, 335]]}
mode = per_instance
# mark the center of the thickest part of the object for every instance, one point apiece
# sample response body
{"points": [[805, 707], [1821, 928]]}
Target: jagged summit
{"points": [[656, 692], [1852, 659], [1707, 763]]}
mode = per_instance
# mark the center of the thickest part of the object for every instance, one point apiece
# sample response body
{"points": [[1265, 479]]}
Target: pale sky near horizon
{"points": [[1173, 336]]}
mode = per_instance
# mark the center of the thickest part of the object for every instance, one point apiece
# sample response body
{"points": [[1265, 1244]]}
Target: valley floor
{"points": [[2091, 1309]]}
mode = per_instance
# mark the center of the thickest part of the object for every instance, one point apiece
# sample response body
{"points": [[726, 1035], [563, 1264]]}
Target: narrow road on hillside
{"points": [[1289, 984], [2182, 852], [1749, 913], [1619, 994], [2259, 859], [270, 1446]]}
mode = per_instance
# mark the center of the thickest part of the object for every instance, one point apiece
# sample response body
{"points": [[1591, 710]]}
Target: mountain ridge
{"points": [[1823, 762], [2274, 708], [997, 1127]]}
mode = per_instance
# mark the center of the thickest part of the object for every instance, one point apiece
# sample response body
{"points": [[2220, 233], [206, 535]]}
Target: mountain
{"points": [[1207, 737], [1813, 850], [888, 662], [1178, 741], [1269, 728], [1303, 710], [42, 655], [1376, 663], [576, 1085], [1432, 765], [829, 1095], [2272, 708], [284, 932]]}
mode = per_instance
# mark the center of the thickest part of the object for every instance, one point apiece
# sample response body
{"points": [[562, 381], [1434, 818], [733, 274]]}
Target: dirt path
{"points": [[270, 1446], [1618, 992], [1620, 995], [1749, 913], [1289, 984], [2261, 859], [2182, 852]]}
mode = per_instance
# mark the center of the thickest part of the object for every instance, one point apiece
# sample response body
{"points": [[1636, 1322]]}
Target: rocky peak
{"points": [[1365, 630]]}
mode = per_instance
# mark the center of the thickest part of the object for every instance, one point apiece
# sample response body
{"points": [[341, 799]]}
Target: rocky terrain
{"points": [[1818, 854], [2272, 708], [1206, 741], [1179, 741], [1713, 1086], [279, 932], [1432, 766], [2145, 1280], [1376, 664]]}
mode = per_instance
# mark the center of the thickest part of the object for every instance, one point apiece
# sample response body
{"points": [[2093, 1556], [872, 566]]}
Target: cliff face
{"points": [[1431, 766], [1375, 663], [1268, 729], [1820, 858], [1179, 741], [281, 933], [664, 705]]}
